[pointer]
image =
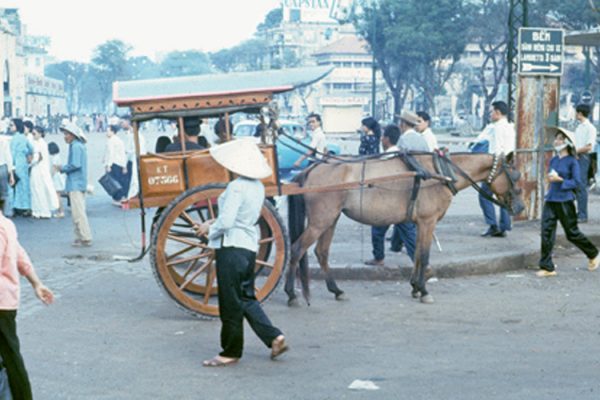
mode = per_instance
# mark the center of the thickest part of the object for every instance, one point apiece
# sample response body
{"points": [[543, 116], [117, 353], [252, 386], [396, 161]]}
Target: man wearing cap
{"points": [[235, 238], [191, 126], [76, 185], [502, 138], [585, 139], [410, 140]]}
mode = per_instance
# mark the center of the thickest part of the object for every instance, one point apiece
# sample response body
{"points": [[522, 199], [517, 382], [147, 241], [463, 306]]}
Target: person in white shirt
{"points": [[585, 139], [318, 141], [405, 232], [115, 162], [132, 186], [502, 139], [423, 127], [234, 237]]}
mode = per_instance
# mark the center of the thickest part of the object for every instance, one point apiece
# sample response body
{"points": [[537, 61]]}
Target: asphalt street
{"points": [[112, 334]]}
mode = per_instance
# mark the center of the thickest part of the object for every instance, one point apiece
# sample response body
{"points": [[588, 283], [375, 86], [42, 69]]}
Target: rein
{"points": [[489, 179]]}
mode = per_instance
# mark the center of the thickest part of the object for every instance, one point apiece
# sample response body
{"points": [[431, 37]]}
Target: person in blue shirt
{"points": [[564, 177], [22, 154], [76, 185], [234, 237]]}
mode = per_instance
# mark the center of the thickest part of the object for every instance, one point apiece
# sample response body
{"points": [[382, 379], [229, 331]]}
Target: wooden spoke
{"points": [[185, 216], [265, 264], [211, 209], [186, 241], [189, 269], [266, 240], [188, 259], [210, 280], [199, 211], [180, 252], [195, 275]]}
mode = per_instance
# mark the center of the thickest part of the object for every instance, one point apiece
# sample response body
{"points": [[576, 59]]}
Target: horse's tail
{"points": [[296, 225]]}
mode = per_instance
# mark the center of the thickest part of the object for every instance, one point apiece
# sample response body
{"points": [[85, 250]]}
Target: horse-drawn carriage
{"points": [[185, 185]]}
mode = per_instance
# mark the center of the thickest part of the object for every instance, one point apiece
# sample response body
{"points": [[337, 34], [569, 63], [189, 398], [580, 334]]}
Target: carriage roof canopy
{"points": [[210, 95]]}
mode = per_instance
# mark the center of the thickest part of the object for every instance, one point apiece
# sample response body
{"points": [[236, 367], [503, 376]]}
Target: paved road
{"points": [[112, 335]]}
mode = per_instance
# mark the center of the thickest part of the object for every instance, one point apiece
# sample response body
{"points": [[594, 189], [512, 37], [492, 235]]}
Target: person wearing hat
{"points": [[585, 139], [370, 137], [502, 139], [191, 126], [76, 184], [234, 237], [411, 140], [405, 233], [559, 204]]}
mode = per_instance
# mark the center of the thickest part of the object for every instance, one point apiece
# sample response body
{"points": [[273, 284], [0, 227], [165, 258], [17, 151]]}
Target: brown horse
{"points": [[386, 204]]}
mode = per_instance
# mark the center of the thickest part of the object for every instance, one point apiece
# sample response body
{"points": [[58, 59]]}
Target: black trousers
{"points": [[566, 214], [235, 277], [11, 356]]}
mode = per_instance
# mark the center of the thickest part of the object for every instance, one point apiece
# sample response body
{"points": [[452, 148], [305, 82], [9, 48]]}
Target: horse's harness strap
{"points": [[421, 174], [441, 166]]}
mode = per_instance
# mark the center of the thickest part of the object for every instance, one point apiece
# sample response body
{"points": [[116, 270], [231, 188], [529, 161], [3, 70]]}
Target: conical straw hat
{"points": [[553, 130], [242, 157]]}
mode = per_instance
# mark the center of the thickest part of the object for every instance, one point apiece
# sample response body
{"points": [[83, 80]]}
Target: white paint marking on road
{"points": [[358, 384]]}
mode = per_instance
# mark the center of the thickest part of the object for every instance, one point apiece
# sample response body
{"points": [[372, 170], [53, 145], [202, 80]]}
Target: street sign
{"points": [[586, 97], [541, 51]]}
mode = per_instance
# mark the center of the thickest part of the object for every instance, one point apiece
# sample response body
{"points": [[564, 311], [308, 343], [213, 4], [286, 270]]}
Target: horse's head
{"points": [[503, 180]]}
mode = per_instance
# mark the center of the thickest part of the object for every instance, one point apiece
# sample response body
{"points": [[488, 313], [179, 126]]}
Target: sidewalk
{"points": [[463, 250]]}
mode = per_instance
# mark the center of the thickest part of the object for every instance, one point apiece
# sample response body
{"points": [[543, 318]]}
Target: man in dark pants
{"points": [[406, 230], [585, 139], [14, 261]]}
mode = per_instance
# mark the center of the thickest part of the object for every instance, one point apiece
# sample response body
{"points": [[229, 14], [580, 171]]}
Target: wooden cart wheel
{"points": [[184, 266]]}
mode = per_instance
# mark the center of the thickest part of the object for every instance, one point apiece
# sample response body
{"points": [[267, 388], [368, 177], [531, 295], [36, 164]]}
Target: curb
{"points": [[481, 266]]}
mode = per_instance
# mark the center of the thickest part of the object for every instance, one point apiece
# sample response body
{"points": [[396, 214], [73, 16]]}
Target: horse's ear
{"points": [[510, 157]]}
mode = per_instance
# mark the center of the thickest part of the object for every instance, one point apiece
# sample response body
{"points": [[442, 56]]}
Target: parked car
{"points": [[288, 151]]}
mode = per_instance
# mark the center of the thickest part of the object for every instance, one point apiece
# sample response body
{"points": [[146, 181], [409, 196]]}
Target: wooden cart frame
{"points": [[184, 186]]}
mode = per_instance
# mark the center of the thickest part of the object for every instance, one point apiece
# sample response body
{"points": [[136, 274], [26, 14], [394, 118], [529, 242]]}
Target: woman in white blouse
{"points": [[234, 236]]}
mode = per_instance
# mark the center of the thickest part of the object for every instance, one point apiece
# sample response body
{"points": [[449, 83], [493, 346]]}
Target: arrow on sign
{"points": [[530, 67]]}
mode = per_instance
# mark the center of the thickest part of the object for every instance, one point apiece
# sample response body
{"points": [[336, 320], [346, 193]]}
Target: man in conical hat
{"points": [[235, 238]]}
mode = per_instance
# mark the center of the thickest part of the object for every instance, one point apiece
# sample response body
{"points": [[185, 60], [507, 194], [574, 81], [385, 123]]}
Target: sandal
{"points": [[219, 362], [278, 347]]}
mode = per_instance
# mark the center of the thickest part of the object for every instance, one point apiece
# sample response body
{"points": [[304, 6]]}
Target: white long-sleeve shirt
{"points": [[585, 134], [115, 152], [501, 136], [5, 153]]}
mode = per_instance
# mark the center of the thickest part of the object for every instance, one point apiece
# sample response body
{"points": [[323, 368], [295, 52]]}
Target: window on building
{"points": [[342, 86], [295, 15], [347, 65]]}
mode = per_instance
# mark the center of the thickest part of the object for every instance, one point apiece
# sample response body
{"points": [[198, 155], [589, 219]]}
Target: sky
{"points": [[76, 27]]}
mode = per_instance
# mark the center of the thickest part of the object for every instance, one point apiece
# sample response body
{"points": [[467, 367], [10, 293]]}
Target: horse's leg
{"points": [[322, 253], [308, 237], [424, 239]]}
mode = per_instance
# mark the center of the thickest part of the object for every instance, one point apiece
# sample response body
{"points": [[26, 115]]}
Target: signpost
{"points": [[586, 97], [541, 51], [540, 64]]}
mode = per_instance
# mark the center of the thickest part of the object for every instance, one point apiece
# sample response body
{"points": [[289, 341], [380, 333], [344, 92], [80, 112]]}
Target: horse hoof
{"points": [[341, 296], [293, 303], [415, 294], [427, 299]]}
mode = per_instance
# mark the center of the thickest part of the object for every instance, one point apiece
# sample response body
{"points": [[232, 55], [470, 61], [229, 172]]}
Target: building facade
{"points": [[25, 89]]}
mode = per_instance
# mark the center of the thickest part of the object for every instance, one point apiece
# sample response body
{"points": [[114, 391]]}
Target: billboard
{"points": [[313, 10]]}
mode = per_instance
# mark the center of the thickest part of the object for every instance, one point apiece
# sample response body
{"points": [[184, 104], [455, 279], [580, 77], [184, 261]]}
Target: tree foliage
{"points": [[249, 55], [184, 63], [416, 43], [110, 60]]}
